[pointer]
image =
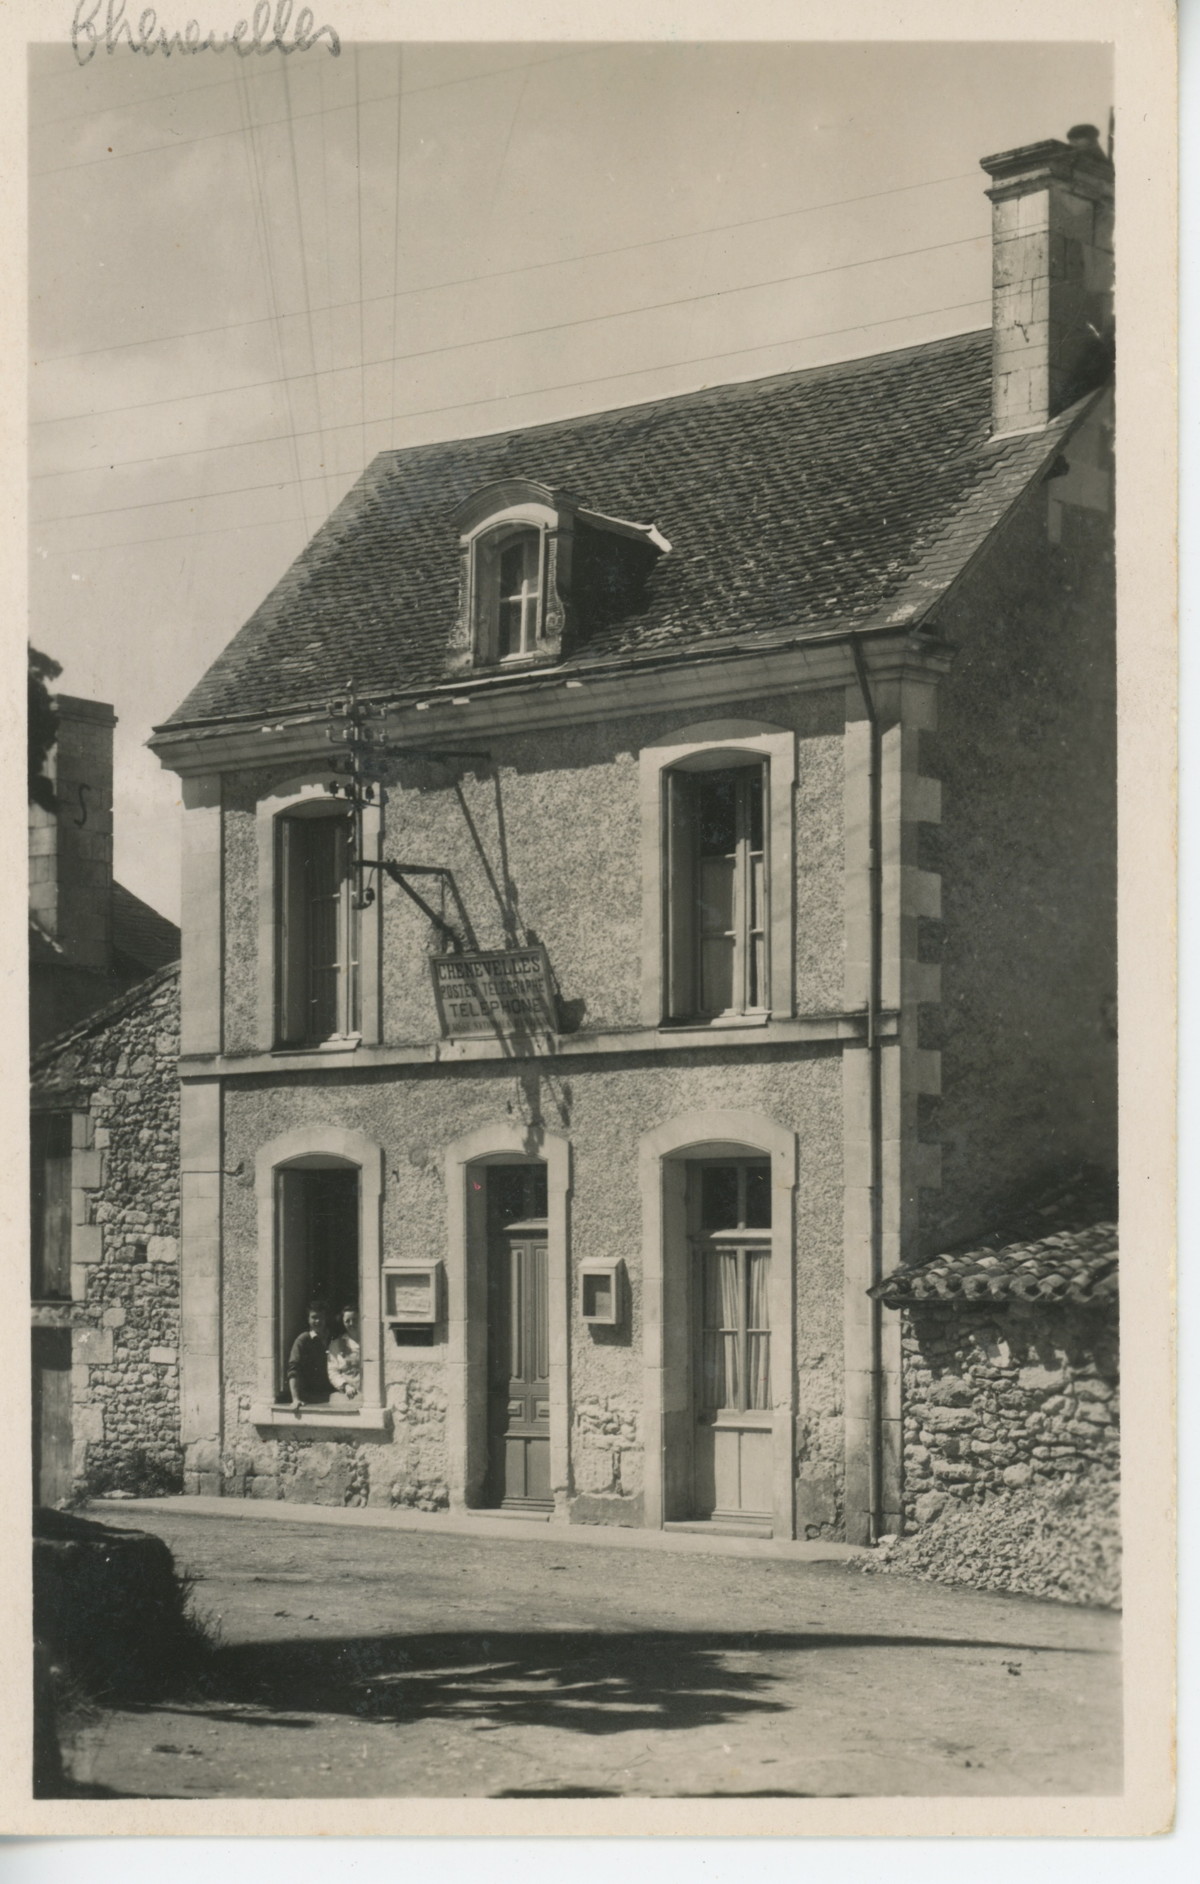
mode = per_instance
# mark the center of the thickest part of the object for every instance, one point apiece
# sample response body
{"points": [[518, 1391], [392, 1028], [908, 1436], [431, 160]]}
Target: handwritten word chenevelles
{"points": [[258, 34]]}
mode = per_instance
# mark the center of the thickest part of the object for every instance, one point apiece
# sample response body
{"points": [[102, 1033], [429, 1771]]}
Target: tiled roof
{"points": [[1072, 1266], [846, 496], [1061, 1247], [140, 936], [54, 1059]]}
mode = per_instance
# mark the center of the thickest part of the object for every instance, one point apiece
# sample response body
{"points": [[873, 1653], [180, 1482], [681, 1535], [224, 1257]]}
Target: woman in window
{"points": [[344, 1356]]}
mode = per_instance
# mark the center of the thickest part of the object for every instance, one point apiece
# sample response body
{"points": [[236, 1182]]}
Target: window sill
{"points": [[347, 1418], [336, 1043], [715, 1022]]}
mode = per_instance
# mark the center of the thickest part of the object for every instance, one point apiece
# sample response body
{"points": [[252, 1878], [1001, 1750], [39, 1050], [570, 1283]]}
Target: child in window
{"points": [[344, 1356], [307, 1368]]}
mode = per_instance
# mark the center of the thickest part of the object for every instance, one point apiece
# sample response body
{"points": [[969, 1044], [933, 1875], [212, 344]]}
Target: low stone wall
{"points": [[118, 1077], [1006, 1397]]}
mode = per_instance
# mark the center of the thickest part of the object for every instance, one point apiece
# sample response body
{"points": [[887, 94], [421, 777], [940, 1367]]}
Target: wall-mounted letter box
{"points": [[411, 1293], [600, 1292]]}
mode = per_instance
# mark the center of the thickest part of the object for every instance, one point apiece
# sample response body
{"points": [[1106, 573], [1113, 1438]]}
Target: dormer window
{"points": [[510, 582], [540, 572]]}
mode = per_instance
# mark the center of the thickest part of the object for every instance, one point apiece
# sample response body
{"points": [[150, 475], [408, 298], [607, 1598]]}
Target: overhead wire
{"points": [[396, 223], [216, 85], [524, 333], [262, 232], [306, 289], [529, 268], [358, 203], [560, 386]]}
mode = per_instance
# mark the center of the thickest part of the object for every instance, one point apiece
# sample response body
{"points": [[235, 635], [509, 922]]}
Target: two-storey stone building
{"points": [[731, 920]]}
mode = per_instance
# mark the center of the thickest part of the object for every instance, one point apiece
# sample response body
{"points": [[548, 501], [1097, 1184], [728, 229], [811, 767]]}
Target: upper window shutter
{"points": [[292, 932], [681, 895]]}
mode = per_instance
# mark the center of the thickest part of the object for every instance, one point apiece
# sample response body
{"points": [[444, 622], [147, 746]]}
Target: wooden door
{"points": [[733, 1452], [51, 1415], [519, 1369]]}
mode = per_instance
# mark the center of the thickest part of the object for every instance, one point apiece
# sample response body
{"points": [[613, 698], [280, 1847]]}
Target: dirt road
{"points": [[369, 1663]]}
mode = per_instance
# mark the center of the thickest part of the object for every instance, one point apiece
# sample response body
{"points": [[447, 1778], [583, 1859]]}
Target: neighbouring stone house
{"points": [[90, 939], [104, 1136], [701, 907], [106, 1244]]}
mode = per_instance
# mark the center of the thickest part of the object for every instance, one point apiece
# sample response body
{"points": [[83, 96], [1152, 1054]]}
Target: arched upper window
{"points": [[539, 571], [719, 875], [318, 929], [509, 592]]}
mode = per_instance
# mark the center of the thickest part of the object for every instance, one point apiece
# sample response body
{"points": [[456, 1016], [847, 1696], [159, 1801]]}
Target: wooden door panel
{"points": [[51, 1415], [519, 1399], [755, 1475]]}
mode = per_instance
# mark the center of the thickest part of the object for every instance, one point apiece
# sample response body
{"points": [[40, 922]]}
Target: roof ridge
{"points": [[103, 1016], [732, 388]]}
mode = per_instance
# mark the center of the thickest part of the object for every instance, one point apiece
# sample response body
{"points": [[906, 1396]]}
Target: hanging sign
{"points": [[505, 991]]}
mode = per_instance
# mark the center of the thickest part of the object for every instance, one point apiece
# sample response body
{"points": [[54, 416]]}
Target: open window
{"points": [[716, 893], [317, 1231], [540, 572], [718, 876], [318, 1192], [317, 951]]}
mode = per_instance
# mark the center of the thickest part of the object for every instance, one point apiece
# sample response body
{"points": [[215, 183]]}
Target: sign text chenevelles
{"points": [[506, 991]]}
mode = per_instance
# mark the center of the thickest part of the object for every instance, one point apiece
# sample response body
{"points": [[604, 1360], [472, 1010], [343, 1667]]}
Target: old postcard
{"points": [[600, 620]]}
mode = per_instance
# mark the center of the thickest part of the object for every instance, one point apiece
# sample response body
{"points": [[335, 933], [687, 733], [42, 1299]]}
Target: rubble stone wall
{"points": [[119, 1078], [996, 1400]]}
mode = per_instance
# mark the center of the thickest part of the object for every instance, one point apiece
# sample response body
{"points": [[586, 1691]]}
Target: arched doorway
{"points": [[718, 1194]]}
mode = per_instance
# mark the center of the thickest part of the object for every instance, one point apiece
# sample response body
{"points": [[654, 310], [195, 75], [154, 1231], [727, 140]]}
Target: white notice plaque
{"points": [[506, 991]]}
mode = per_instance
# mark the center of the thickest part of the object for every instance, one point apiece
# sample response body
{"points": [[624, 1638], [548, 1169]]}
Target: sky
{"points": [[246, 280]]}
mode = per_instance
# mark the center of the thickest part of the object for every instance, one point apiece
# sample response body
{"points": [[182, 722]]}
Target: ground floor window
{"points": [[317, 1214]]}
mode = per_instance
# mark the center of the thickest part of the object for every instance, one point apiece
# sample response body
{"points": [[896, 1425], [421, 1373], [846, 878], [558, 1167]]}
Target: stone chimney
{"points": [[1052, 276], [70, 848]]}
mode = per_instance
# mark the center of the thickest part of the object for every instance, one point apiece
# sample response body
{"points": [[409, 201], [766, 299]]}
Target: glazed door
{"points": [[519, 1370], [732, 1373]]}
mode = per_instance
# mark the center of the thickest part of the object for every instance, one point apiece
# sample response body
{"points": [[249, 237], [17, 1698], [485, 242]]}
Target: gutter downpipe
{"points": [[875, 1076]]}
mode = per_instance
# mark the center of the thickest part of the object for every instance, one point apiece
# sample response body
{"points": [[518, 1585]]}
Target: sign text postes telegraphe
{"points": [[505, 991]]}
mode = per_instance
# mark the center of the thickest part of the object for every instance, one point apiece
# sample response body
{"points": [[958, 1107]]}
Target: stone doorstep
{"points": [[486, 1524]]}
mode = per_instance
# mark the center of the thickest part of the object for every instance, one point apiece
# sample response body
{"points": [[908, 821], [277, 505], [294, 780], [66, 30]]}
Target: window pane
{"points": [[512, 567], [516, 1193], [717, 812], [517, 612], [719, 1197], [721, 1319], [754, 808], [509, 628], [716, 894], [758, 1339], [758, 1196], [716, 975], [757, 886]]}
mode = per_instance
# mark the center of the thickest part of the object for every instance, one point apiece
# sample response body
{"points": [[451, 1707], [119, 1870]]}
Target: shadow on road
{"points": [[586, 1683]]}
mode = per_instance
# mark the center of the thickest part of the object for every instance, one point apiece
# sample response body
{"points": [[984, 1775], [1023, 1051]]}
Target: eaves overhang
{"points": [[570, 694]]}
